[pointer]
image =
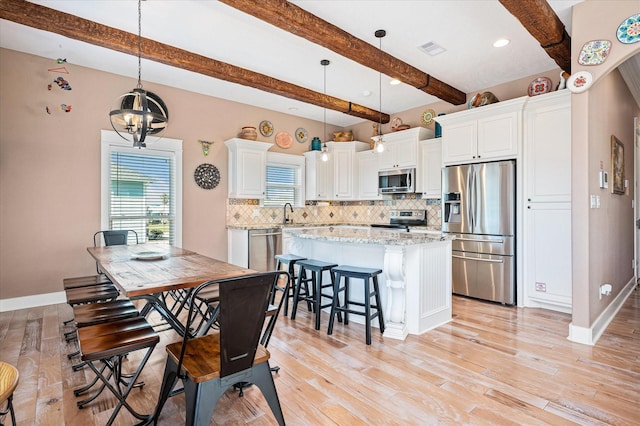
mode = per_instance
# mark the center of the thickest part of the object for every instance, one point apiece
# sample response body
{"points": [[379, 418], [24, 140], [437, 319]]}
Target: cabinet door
{"points": [[318, 177], [548, 254], [459, 142], [251, 173], [429, 179], [368, 176], [498, 136], [387, 158], [343, 174], [406, 154], [548, 149]]}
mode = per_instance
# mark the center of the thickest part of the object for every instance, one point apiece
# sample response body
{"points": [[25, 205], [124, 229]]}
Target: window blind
{"points": [[143, 194], [284, 183]]}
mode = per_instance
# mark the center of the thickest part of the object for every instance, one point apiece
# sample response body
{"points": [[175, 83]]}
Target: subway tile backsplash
{"points": [[243, 212]]}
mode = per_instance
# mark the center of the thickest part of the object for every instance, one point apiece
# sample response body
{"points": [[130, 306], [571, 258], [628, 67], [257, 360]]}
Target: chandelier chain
{"points": [[139, 44]]}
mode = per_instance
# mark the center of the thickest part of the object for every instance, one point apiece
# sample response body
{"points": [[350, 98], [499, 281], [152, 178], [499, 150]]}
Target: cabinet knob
{"points": [[528, 207], [528, 199]]}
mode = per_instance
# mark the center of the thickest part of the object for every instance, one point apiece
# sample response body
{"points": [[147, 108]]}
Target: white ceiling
{"points": [[465, 28]]}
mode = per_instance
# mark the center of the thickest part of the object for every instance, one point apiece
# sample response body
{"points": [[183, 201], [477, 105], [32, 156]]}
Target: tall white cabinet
{"points": [[318, 176], [429, 170], [547, 216]]}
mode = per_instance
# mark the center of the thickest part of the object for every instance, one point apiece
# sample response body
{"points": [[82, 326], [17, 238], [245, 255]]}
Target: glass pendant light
{"points": [[139, 113], [379, 144], [325, 151]]}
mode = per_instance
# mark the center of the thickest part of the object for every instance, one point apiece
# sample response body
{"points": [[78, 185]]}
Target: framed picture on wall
{"points": [[617, 165]]}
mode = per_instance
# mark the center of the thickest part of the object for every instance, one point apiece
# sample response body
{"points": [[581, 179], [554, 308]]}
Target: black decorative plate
{"points": [[207, 176]]}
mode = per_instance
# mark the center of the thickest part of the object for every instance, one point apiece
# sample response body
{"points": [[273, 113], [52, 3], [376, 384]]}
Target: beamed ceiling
{"points": [[267, 53]]}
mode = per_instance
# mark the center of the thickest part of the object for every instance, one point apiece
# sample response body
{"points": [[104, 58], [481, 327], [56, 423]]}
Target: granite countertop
{"points": [[434, 229], [366, 235]]}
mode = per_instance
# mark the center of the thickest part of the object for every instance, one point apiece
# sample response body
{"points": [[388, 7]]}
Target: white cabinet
{"points": [[368, 175], [247, 168], [345, 168], [401, 148], [547, 217], [318, 176], [488, 133], [429, 170], [238, 247]]}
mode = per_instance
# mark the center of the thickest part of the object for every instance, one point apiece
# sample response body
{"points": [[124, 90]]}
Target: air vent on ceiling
{"points": [[432, 48]]}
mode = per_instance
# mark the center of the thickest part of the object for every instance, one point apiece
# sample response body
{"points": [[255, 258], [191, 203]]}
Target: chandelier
{"points": [[139, 113]]}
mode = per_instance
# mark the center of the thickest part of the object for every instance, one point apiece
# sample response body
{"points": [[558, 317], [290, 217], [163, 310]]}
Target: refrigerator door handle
{"points": [[477, 240], [477, 259], [469, 198]]}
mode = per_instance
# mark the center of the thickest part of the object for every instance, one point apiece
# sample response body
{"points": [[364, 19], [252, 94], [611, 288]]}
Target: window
{"points": [[284, 180], [142, 188]]}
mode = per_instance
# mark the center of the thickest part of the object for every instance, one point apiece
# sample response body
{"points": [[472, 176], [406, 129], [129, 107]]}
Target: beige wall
{"points": [[602, 238], [50, 166]]}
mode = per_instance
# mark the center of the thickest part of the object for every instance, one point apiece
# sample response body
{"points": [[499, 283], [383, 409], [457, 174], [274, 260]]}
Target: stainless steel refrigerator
{"points": [[479, 210]]}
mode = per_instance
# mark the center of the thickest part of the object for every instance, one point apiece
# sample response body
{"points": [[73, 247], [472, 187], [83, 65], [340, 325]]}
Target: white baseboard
{"points": [[32, 301], [590, 335]]}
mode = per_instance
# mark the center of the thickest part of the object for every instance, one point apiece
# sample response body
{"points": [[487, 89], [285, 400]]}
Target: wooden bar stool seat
{"points": [[289, 260], [98, 313], [86, 281], [92, 294], [316, 268], [364, 274], [9, 376], [103, 346]]}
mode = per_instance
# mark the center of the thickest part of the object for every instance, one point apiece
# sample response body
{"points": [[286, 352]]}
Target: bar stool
{"points": [[290, 260], [316, 267], [364, 274], [8, 382]]}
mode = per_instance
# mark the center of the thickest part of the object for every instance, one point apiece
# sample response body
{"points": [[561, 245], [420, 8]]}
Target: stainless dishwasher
{"points": [[264, 244]]}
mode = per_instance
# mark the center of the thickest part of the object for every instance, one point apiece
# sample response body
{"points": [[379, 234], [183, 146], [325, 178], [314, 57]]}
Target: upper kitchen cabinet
{"points": [[345, 168], [247, 168], [488, 133], [547, 144], [318, 176], [401, 148], [368, 175], [429, 170]]}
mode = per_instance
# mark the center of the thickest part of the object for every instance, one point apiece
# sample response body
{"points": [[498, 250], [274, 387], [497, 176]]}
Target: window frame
{"points": [[291, 161], [111, 141]]}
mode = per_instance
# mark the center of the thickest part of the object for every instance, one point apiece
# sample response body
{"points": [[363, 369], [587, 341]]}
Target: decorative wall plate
{"points": [[266, 128], [629, 30], [284, 140], [427, 116], [207, 176], [539, 86], [594, 52], [301, 135], [579, 82]]}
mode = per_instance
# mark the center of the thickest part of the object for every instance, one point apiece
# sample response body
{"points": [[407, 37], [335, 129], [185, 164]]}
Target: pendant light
{"points": [[139, 113], [379, 144], [325, 151]]}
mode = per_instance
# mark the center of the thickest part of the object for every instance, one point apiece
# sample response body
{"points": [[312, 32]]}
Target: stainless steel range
{"points": [[404, 219]]}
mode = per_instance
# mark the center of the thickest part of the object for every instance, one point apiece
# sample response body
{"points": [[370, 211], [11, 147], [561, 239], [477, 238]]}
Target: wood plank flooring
{"points": [[490, 365]]}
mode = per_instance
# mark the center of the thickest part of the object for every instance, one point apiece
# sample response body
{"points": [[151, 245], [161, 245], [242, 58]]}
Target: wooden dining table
{"points": [[154, 272]]}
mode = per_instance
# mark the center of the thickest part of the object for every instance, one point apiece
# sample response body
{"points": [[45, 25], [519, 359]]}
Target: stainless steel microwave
{"points": [[396, 181]]}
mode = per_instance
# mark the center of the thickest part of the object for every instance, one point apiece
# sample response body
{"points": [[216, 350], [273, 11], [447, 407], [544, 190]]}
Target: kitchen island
{"points": [[416, 270]]}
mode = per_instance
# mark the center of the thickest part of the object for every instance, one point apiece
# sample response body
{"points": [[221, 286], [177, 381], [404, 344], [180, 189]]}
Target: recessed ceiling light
{"points": [[501, 42], [293, 108], [394, 82], [366, 93]]}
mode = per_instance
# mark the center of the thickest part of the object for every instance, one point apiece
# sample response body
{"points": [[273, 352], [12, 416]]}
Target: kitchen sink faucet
{"points": [[285, 217]]}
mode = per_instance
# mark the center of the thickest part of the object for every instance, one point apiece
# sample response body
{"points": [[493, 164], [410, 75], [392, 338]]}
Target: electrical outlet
{"points": [[542, 287], [605, 289]]}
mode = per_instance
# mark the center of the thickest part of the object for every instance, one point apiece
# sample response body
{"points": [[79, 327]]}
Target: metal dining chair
{"points": [[208, 365]]}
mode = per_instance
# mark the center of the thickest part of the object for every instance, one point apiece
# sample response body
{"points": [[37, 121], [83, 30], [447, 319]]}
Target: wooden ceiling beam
{"points": [[289, 17], [544, 25], [74, 27]]}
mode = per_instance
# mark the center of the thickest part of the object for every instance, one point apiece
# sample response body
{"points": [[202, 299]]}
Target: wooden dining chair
{"points": [[208, 365]]}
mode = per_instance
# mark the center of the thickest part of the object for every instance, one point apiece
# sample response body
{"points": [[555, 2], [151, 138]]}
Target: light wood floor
{"points": [[490, 365]]}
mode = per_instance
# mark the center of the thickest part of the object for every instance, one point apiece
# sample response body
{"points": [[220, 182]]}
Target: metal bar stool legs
{"points": [[9, 376]]}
